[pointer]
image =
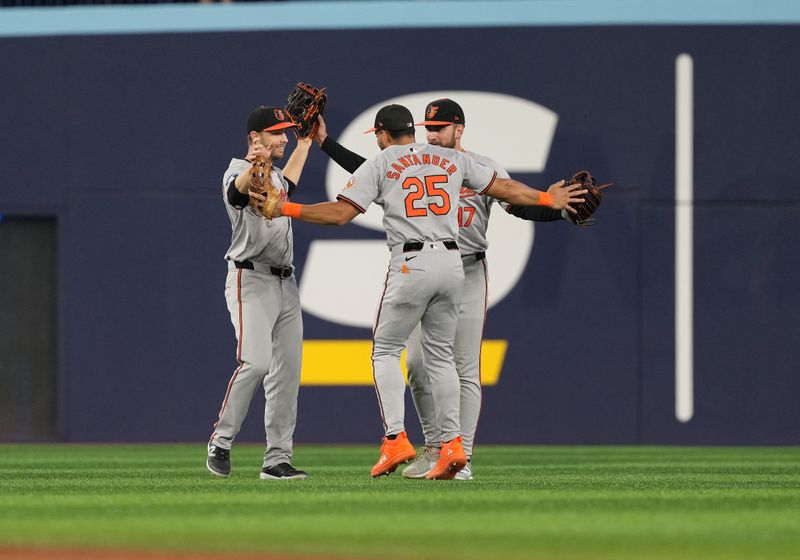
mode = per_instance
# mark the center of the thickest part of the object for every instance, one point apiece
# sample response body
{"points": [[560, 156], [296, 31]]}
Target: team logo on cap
{"points": [[432, 111], [279, 115]]}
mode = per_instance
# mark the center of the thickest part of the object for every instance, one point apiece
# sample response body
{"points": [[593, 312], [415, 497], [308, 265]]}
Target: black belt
{"points": [[282, 272], [418, 245], [479, 256]]}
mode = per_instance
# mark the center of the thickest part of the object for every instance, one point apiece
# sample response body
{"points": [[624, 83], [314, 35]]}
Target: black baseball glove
{"points": [[592, 198], [303, 106]]}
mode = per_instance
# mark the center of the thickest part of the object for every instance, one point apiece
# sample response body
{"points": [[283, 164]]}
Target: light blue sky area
{"points": [[186, 18]]}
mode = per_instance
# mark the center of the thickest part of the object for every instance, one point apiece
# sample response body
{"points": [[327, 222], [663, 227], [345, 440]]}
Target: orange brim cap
{"points": [[281, 126], [434, 123]]}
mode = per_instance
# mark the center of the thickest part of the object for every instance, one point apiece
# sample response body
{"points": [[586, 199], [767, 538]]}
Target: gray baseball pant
{"points": [[265, 312], [467, 350], [429, 294]]}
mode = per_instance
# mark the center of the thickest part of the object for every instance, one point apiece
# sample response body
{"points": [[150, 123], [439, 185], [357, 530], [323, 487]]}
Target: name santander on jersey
{"points": [[404, 162]]}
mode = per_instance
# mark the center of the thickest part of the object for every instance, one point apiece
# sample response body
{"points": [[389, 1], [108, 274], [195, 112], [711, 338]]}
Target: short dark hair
{"points": [[398, 134]]}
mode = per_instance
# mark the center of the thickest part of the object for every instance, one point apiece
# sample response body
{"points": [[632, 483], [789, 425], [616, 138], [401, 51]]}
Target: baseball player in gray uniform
{"points": [[445, 126], [263, 302], [417, 185]]}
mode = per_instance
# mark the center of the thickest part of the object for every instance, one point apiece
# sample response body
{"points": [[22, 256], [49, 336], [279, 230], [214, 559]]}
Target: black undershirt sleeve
{"points": [[345, 158], [235, 198], [535, 213], [292, 187]]}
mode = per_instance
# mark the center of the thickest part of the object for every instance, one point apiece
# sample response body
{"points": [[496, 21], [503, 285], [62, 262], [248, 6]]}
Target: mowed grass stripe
{"points": [[526, 502]]}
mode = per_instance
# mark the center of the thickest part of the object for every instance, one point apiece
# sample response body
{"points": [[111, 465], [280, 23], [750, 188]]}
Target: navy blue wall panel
{"points": [[139, 129], [746, 304]]}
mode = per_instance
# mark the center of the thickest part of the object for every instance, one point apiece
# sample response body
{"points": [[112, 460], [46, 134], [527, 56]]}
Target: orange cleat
{"points": [[394, 452], [451, 460]]}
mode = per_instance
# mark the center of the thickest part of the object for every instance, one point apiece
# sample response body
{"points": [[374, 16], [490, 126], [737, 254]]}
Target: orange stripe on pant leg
{"points": [[238, 351], [377, 320], [480, 352]]}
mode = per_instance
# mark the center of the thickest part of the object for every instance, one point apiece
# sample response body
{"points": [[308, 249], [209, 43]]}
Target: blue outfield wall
{"points": [[136, 130]]}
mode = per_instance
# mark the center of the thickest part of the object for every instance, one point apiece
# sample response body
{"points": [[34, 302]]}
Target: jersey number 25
{"points": [[417, 190]]}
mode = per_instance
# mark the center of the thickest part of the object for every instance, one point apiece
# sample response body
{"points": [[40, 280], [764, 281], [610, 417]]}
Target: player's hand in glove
{"points": [[264, 196], [322, 131], [563, 196], [583, 211], [304, 104]]}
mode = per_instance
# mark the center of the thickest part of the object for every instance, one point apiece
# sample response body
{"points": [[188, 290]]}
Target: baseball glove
{"points": [[303, 106], [592, 198], [261, 183]]}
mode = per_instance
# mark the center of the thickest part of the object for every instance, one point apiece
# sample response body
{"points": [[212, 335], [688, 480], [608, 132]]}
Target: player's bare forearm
{"points": [[336, 213], [294, 167], [243, 182], [557, 196], [514, 192]]}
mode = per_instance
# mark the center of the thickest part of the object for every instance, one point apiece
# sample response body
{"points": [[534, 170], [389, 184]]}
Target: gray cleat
{"points": [[425, 461], [465, 473]]}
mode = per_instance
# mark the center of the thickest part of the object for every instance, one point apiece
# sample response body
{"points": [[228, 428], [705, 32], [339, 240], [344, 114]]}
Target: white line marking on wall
{"points": [[684, 237]]}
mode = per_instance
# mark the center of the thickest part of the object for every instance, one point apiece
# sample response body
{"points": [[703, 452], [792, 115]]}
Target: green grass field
{"points": [[525, 502]]}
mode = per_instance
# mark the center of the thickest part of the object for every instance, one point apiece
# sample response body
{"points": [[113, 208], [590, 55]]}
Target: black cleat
{"points": [[282, 471], [218, 460]]}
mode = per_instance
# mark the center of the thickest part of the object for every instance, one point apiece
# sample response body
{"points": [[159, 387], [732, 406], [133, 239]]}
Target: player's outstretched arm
{"points": [[294, 166], [347, 160], [558, 196], [536, 213], [336, 213]]}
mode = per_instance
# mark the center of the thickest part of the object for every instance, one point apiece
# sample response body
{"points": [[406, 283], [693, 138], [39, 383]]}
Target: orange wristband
{"points": [[291, 209], [545, 199]]}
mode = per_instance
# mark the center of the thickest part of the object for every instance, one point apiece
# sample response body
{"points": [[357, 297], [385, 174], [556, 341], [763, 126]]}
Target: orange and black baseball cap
{"points": [[443, 112], [269, 119], [394, 118]]}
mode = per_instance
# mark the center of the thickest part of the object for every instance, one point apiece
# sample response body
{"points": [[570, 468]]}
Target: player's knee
{"points": [[414, 366], [259, 364]]}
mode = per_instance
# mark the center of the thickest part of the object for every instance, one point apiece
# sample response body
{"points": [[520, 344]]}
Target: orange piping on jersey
{"points": [[356, 206], [489, 186]]}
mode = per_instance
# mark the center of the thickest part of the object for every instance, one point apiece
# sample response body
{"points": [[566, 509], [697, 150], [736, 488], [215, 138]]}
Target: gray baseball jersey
{"points": [[264, 306], [474, 211], [254, 238], [418, 186]]}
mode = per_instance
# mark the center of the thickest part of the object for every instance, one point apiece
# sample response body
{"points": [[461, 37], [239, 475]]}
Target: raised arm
{"points": [[294, 166], [350, 161], [255, 152]]}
